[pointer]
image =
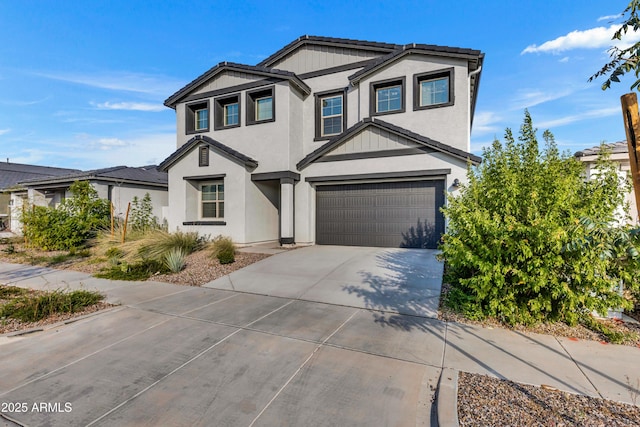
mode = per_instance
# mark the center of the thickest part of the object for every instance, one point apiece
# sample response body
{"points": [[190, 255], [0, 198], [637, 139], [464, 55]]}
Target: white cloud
{"points": [[121, 81], [609, 17], [129, 106], [564, 60], [526, 98], [485, 122], [594, 38], [109, 143], [3, 131], [587, 115]]}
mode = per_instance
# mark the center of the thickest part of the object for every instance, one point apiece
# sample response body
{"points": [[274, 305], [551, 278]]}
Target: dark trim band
{"points": [[204, 223], [381, 175], [204, 177], [269, 176]]}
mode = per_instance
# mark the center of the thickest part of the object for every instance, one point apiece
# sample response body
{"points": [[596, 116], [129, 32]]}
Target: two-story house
{"points": [[327, 141]]}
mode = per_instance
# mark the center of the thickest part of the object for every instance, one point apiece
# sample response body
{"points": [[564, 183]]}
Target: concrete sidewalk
{"points": [[322, 353]]}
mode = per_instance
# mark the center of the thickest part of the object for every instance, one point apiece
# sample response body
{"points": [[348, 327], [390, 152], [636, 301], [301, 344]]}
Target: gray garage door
{"points": [[386, 214]]}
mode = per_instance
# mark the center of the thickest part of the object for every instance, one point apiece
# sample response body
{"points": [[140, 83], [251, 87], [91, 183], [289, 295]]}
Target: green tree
{"points": [[624, 60], [515, 249], [69, 225]]}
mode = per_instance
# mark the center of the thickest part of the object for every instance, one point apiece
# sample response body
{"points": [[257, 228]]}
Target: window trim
{"points": [[191, 116], [255, 95], [219, 113], [217, 202], [432, 75], [319, 96], [203, 155], [375, 86]]}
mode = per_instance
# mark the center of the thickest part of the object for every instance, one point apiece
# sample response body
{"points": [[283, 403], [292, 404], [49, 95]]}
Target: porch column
{"points": [[286, 211]]}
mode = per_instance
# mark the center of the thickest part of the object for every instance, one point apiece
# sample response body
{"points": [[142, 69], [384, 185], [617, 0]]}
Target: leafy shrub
{"points": [[142, 218], [69, 225], [514, 247], [223, 249], [159, 242], [175, 260], [31, 308]]}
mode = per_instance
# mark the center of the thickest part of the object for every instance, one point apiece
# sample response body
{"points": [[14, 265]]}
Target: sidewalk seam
{"points": [[579, 368]]}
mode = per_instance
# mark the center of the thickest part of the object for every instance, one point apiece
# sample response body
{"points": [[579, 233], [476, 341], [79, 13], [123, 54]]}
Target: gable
{"points": [[371, 140], [227, 79], [312, 57]]}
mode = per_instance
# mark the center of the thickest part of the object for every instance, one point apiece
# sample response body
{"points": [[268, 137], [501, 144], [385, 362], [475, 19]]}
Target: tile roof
{"points": [[12, 173], [148, 175], [201, 139], [615, 147], [306, 39], [222, 66]]}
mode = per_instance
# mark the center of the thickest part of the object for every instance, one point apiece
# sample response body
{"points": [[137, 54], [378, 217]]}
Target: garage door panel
{"points": [[378, 214]]}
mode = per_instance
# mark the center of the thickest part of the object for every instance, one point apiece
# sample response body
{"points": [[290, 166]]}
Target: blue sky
{"points": [[82, 83]]}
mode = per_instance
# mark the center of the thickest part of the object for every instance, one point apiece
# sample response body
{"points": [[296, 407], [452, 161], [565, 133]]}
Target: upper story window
{"points": [[261, 106], [330, 113], [231, 114], [197, 115], [387, 96], [434, 89], [227, 112]]}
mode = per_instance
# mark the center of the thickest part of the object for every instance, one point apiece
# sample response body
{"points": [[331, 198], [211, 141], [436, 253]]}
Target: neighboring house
{"points": [[327, 141], [119, 184], [12, 173], [619, 154]]}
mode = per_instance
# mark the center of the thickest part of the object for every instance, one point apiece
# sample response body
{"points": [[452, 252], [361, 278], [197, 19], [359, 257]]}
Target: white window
{"points": [[264, 108], [331, 112], [202, 119], [231, 115], [212, 200], [434, 92], [389, 99]]}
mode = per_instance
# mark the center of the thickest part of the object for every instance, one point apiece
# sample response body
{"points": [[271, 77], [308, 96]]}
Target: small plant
{"points": [[159, 242], [137, 271], [223, 249], [10, 249], [31, 308], [174, 260]]}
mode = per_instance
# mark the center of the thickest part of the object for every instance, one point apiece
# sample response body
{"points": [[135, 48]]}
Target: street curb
{"points": [[447, 398]]}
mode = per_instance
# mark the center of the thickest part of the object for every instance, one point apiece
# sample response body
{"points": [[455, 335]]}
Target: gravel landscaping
{"points": [[486, 401]]}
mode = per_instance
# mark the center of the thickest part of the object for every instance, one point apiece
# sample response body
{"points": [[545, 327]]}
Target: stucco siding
{"points": [[262, 211], [121, 196], [447, 124], [184, 197]]}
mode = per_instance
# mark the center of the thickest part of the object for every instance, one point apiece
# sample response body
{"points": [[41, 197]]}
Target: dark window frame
{"points": [[382, 84], [318, 112], [203, 155], [432, 75], [219, 104], [190, 116], [251, 98]]}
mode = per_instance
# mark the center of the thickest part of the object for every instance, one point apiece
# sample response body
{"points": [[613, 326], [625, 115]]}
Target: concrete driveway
{"points": [[304, 348], [405, 281]]}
